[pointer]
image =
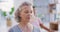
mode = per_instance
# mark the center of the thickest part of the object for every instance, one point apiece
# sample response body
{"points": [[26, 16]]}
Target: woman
{"points": [[35, 21], [23, 15]]}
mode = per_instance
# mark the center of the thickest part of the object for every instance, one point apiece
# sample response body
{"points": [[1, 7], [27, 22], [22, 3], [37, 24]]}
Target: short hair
{"points": [[17, 12]]}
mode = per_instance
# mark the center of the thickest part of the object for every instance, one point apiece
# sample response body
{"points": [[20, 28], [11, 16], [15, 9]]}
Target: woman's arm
{"points": [[42, 26]]}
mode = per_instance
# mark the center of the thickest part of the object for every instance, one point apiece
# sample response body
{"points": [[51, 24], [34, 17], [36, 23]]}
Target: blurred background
{"points": [[47, 10]]}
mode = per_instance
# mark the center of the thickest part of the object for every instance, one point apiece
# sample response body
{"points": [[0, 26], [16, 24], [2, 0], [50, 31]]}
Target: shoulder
{"points": [[14, 28], [35, 29]]}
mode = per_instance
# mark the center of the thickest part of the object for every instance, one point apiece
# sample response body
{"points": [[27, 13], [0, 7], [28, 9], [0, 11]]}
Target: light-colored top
{"points": [[36, 22], [17, 29]]}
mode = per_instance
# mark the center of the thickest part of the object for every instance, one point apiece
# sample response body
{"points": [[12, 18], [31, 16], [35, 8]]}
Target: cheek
{"points": [[22, 15]]}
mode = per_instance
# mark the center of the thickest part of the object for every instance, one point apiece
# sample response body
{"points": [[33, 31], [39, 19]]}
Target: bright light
{"points": [[6, 6], [58, 1]]}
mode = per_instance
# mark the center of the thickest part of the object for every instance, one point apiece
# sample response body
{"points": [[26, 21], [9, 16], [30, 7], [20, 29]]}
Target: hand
{"points": [[51, 30]]}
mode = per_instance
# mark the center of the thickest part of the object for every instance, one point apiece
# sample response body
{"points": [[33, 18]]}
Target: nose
{"points": [[29, 14]]}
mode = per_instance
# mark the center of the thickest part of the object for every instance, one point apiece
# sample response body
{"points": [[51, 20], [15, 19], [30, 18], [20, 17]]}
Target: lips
{"points": [[28, 17]]}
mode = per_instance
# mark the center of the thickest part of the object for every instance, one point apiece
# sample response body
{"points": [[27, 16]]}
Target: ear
{"points": [[19, 14]]}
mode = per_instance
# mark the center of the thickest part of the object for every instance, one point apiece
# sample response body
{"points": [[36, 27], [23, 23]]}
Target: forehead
{"points": [[26, 8]]}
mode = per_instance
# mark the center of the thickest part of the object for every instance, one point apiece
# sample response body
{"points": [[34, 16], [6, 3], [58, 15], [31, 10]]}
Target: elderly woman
{"points": [[23, 15]]}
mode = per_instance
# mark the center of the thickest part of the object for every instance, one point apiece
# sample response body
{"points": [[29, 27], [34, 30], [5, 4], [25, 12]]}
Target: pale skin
{"points": [[25, 15]]}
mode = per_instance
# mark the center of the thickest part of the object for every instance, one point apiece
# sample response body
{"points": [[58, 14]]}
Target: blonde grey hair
{"points": [[17, 12]]}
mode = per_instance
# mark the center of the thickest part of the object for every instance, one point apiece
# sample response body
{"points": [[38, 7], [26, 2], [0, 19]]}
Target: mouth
{"points": [[28, 17]]}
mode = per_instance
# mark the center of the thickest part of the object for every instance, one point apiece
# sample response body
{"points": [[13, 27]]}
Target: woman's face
{"points": [[26, 12]]}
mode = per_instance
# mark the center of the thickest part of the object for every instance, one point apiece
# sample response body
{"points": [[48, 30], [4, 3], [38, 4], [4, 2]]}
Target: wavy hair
{"points": [[17, 12]]}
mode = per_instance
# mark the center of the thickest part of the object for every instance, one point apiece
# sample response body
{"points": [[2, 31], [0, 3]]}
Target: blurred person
{"points": [[35, 21], [23, 15]]}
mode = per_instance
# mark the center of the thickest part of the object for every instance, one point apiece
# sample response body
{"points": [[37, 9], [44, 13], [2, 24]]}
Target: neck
{"points": [[23, 23]]}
